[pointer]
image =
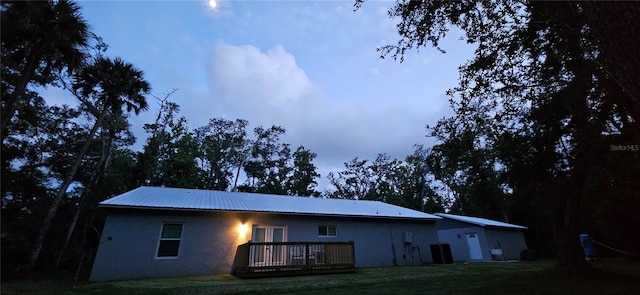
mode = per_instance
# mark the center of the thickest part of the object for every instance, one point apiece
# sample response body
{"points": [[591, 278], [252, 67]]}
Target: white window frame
{"points": [[160, 239], [269, 232], [262, 250], [328, 235]]}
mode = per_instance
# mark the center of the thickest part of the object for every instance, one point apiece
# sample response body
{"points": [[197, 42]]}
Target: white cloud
{"points": [[268, 87], [252, 78]]}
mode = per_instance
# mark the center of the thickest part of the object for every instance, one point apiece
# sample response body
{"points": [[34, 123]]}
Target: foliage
{"points": [[303, 179], [177, 157], [151, 158], [406, 183], [266, 164], [52, 168], [103, 87], [38, 40], [352, 183], [536, 108], [223, 143], [213, 157]]}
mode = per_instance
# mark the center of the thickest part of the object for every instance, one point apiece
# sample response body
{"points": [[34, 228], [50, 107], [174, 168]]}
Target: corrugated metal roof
{"points": [[193, 199], [480, 221]]}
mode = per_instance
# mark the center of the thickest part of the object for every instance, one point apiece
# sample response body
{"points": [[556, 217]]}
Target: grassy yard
{"points": [[537, 277]]}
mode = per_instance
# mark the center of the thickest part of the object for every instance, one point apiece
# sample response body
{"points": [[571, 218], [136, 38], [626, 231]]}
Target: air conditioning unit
{"points": [[496, 254], [441, 253], [407, 237]]}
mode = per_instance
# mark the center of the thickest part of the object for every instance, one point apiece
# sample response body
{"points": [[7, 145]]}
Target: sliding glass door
{"points": [[265, 255]]}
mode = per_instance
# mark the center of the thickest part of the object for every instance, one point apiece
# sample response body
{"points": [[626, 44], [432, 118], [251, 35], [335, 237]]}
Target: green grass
{"points": [[537, 277]]}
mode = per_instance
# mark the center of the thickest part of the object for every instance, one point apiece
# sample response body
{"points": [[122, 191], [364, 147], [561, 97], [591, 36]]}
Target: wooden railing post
{"points": [[353, 254], [307, 255]]}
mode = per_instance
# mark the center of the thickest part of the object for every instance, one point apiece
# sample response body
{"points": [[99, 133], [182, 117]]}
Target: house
{"points": [[168, 232], [480, 239]]}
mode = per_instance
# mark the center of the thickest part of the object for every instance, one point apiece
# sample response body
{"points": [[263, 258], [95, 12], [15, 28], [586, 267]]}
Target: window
{"points": [[170, 240], [328, 231]]}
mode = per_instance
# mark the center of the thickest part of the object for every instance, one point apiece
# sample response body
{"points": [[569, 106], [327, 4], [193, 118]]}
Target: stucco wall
{"points": [[209, 241], [455, 237], [510, 241], [377, 242]]}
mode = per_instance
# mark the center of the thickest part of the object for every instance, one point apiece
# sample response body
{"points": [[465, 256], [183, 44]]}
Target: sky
{"points": [[308, 66]]}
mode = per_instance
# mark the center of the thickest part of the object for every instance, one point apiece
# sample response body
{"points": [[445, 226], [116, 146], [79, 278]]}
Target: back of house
{"points": [[480, 239], [166, 232]]}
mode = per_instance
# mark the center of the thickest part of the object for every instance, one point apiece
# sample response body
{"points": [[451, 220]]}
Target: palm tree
{"points": [[103, 87], [38, 39]]}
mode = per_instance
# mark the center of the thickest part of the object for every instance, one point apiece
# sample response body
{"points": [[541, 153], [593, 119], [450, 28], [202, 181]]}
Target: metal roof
{"points": [[480, 221], [208, 200]]}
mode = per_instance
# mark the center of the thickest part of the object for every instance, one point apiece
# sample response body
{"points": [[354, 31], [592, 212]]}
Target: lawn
{"points": [[532, 277]]}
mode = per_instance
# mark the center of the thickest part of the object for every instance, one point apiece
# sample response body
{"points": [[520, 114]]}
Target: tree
{"points": [[403, 183], [545, 73], [115, 135], [385, 180], [468, 168], [222, 144], [615, 28], [104, 86], [303, 179], [352, 183], [171, 153], [35, 155], [268, 167], [178, 165], [416, 184], [158, 144], [38, 39]]}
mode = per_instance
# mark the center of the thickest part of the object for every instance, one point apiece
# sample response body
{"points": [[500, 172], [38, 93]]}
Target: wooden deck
{"points": [[293, 258]]}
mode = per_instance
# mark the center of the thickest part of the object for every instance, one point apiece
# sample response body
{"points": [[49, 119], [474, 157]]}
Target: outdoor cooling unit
{"points": [[441, 253]]}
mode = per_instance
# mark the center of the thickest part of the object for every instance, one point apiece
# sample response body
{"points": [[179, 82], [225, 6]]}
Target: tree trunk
{"points": [[94, 183], [586, 136], [235, 183], [8, 111], [570, 254], [70, 230], [46, 224]]}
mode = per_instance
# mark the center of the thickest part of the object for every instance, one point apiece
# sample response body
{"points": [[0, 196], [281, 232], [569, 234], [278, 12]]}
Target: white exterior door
{"points": [[268, 254], [473, 243]]}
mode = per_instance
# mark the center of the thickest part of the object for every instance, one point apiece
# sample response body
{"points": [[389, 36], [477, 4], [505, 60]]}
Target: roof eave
{"points": [[480, 223], [507, 227], [263, 212]]}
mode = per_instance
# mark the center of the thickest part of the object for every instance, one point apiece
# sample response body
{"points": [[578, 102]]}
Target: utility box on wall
{"points": [[407, 237]]}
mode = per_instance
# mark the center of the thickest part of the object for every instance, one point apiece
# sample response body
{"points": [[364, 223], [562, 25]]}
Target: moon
{"points": [[213, 3]]}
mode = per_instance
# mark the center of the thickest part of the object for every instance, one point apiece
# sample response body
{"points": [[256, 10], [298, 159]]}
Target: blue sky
{"points": [[309, 66]]}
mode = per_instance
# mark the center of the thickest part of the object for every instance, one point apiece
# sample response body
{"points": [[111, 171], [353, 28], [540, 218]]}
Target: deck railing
{"points": [[289, 258]]}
